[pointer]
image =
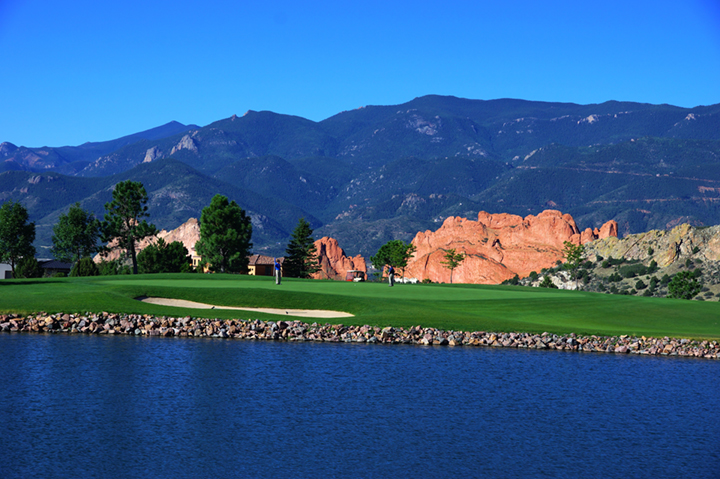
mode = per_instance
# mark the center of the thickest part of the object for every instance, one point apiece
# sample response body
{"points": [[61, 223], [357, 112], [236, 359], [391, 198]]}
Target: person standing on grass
{"points": [[277, 271], [391, 275]]}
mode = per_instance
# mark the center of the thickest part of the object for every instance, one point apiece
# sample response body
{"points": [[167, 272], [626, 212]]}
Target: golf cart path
{"points": [[304, 313]]}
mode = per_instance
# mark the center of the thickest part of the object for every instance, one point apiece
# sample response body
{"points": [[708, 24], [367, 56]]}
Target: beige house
{"points": [[261, 265]]}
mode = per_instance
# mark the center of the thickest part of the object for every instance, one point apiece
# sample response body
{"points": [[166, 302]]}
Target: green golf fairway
{"points": [[450, 307]]}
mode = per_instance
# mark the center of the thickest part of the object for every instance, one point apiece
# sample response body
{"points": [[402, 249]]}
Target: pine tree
{"points": [[225, 232], [301, 259], [124, 218]]}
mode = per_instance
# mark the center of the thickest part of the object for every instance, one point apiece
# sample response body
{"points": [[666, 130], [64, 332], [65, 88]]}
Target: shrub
{"points": [[632, 270], [650, 251], [614, 278], [665, 279], [653, 267], [547, 283], [426, 281], [515, 280], [113, 267], [533, 276], [695, 250], [612, 262], [85, 267], [640, 285], [647, 293]]}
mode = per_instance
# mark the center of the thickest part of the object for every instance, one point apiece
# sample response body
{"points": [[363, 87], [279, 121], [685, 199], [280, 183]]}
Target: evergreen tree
{"points": [[85, 267], [28, 267], [75, 235], [684, 286], [16, 234], [225, 232], [301, 259], [124, 218]]}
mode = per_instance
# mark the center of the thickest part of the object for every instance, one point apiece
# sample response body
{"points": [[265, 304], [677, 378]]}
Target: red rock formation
{"points": [[333, 261], [498, 246]]}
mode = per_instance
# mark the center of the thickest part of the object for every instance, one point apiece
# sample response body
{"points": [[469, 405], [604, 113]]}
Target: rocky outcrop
{"points": [[186, 143], [152, 154], [665, 247], [188, 327], [498, 246], [187, 233], [334, 264]]}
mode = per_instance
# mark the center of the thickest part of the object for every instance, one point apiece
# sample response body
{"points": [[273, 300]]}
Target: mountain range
{"points": [[386, 172]]}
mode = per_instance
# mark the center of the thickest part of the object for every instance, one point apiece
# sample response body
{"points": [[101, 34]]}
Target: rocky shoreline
{"points": [[147, 325]]}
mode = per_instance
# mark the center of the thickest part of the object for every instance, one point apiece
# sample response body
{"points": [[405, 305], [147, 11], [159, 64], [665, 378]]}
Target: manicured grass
{"points": [[451, 307]]}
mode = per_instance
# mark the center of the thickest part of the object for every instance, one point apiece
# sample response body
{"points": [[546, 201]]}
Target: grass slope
{"points": [[450, 307]]}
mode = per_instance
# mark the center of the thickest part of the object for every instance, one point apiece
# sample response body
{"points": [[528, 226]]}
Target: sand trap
{"points": [[304, 313]]}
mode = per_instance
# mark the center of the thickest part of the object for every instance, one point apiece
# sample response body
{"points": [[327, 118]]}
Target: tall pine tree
{"points": [[301, 260], [124, 218]]}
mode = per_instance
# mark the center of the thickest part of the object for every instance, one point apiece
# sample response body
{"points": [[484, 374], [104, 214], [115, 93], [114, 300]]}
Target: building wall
{"points": [[5, 271]]}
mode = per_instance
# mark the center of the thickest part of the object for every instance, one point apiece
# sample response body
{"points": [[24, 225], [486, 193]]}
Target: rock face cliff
{"points": [[665, 247], [499, 246], [334, 264], [187, 233]]}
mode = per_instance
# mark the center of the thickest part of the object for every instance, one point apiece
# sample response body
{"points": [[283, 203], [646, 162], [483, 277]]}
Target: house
{"points": [[5, 271], [50, 267], [261, 265]]}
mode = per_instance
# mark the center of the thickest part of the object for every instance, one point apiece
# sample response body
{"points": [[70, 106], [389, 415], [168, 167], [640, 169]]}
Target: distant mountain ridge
{"points": [[382, 172]]}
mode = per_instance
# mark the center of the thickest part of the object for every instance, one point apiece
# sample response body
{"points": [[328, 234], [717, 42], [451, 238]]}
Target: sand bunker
{"points": [[304, 313]]}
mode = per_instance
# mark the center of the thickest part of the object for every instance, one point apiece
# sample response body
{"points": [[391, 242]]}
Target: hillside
{"points": [[386, 172], [643, 264]]}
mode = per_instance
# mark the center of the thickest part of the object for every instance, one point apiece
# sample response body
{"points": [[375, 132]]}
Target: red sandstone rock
{"points": [[498, 246], [334, 264]]}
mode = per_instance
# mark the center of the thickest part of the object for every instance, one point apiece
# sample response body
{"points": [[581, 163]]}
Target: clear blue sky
{"points": [[92, 70]]}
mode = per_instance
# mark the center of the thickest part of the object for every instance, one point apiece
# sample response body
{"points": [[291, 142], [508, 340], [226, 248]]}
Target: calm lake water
{"points": [[79, 406]]}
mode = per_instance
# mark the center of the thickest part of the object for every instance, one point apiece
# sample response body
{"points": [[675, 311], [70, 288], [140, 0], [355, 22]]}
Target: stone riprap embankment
{"points": [[147, 325]]}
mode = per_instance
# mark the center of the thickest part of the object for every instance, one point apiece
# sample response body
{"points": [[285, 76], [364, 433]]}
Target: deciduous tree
{"points": [[574, 256], [162, 257], [395, 253], [75, 235], [225, 233], [124, 218], [301, 259], [16, 234], [453, 260]]}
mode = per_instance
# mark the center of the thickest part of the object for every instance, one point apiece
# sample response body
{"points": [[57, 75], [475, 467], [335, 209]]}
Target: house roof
{"points": [[257, 259], [54, 264]]}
